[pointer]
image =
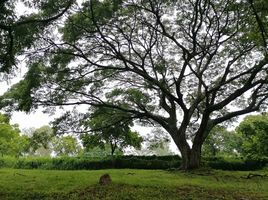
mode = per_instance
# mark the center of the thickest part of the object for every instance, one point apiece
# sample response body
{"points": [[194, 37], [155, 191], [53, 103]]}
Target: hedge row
{"points": [[236, 164], [132, 162], [78, 163]]}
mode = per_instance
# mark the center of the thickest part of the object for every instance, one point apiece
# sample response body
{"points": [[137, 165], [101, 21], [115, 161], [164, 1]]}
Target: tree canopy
{"points": [[254, 129], [185, 65], [19, 32]]}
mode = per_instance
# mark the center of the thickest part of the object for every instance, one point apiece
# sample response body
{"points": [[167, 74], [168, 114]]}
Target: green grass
{"points": [[127, 184]]}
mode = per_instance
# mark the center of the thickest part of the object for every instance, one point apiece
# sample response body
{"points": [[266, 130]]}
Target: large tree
{"points": [[184, 65]]}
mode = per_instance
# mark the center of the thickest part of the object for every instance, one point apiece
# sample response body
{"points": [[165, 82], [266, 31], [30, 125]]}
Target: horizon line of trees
{"points": [[249, 139], [44, 141]]}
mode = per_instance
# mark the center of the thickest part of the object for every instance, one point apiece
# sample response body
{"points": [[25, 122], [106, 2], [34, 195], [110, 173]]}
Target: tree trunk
{"points": [[191, 159], [113, 147], [112, 151]]}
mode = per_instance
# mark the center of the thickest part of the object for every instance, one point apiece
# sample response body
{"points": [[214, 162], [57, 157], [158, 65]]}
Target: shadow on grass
{"points": [[135, 192], [132, 192]]}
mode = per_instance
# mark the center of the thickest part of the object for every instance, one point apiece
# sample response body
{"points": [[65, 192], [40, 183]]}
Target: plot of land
{"points": [[129, 184]]}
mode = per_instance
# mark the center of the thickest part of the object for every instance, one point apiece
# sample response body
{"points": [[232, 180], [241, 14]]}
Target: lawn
{"points": [[127, 184]]}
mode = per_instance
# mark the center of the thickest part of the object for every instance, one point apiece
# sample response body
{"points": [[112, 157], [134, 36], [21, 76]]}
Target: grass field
{"points": [[16, 184]]}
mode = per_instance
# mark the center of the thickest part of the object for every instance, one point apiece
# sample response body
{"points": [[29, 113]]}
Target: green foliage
{"points": [[40, 141], [21, 91], [235, 164], [43, 142], [8, 162], [65, 146], [254, 131], [7, 16], [135, 97], [129, 162], [100, 151], [221, 142], [93, 12], [19, 33], [78, 163], [110, 127], [11, 142]]}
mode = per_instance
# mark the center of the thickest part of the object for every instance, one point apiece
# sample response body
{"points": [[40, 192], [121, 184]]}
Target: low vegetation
{"points": [[129, 162], [132, 184]]}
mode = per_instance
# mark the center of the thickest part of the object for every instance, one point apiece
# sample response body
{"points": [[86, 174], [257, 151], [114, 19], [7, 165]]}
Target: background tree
{"points": [[100, 152], [254, 131], [66, 146], [184, 65], [156, 143], [222, 142], [11, 142], [41, 141], [109, 128]]}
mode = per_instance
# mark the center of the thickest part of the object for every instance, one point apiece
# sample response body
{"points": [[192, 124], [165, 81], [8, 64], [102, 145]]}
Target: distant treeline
{"points": [[132, 162]]}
